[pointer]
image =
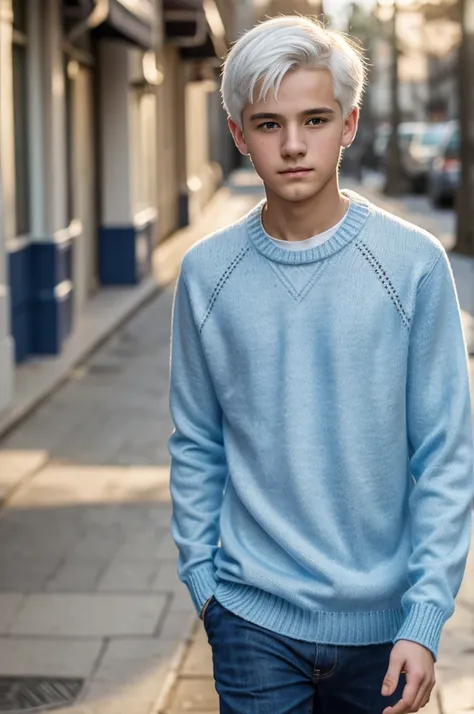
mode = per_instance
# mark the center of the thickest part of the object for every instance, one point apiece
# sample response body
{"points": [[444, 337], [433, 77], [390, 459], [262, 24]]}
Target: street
{"points": [[90, 602]]}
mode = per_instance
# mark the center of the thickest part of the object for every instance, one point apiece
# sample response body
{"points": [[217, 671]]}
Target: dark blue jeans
{"points": [[257, 671]]}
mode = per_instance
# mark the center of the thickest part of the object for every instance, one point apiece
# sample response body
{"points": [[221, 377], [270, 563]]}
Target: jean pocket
{"points": [[210, 604]]}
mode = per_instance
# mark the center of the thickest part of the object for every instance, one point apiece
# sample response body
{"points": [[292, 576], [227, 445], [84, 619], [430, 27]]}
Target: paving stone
{"points": [[64, 484], [89, 615], [140, 547], [18, 464], [178, 624], [195, 695], [26, 574], [25, 657], [77, 575], [167, 550], [128, 575], [167, 579], [10, 604], [38, 542], [103, 544], [141, 686], [129, 658], [198, 660]]}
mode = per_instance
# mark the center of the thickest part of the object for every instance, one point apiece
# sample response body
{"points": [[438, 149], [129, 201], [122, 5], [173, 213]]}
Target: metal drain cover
{"points": [[21, 694]]}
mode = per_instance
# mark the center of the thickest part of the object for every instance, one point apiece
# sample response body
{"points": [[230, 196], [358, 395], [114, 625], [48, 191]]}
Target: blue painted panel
{"points": [[40, 319], [19, 270], [51, 320], [51, 264], [125, 254], [117, 256]]}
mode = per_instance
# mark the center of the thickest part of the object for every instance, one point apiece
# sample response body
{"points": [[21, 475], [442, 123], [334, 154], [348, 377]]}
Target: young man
{"points": [[321, 458]]}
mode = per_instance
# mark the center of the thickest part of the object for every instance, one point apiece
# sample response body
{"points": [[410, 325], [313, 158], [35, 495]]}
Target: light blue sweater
{"points": [[322, 470]]}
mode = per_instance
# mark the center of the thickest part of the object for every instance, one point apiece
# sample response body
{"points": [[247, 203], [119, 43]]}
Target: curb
{"points": [[161, 704]]}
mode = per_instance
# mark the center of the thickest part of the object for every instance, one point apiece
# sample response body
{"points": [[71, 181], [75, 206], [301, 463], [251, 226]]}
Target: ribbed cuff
{"points": [[201, 582], [423, 624]]}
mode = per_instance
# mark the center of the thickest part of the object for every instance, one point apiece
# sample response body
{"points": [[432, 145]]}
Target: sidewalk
{"points": [[91, 609]]}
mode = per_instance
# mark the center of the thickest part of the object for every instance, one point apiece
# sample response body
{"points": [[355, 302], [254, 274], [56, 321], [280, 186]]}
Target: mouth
{"points": [[296, 171]]}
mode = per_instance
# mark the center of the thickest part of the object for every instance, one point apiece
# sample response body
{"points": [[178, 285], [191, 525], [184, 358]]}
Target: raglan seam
{"points": [[221, 282], [385, 281]]}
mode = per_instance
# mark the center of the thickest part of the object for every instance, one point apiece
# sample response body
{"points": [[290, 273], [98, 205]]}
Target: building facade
{"points": [[107, 110]]}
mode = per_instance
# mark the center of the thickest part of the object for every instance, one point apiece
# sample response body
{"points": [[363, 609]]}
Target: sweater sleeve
{"points": [[198, 464], [440, 448]]}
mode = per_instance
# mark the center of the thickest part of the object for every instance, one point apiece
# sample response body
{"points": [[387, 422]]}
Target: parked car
{"points": [[422, 149], [443, 179], [407, 130]]}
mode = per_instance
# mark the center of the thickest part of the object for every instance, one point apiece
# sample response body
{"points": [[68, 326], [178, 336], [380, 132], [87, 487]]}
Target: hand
{"points": [[418, 664], [204, 607]]}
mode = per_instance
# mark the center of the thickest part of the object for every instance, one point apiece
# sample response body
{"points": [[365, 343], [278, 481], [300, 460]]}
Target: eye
{"points": [[317, 121], [267, 125]]}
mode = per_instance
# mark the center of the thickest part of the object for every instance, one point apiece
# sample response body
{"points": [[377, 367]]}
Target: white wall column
{"points": [[116, 127], [51, 242], [128, 224], [7, 199], [48, 161]]}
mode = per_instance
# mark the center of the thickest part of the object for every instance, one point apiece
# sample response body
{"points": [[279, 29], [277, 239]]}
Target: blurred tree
{"points": [[465, 209], [364, 29], [459, 13], [394, 179]]}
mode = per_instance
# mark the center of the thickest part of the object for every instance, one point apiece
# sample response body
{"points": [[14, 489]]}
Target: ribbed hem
{"points": [[356, 217], [201, 582], [423, 624], [279, 615]]}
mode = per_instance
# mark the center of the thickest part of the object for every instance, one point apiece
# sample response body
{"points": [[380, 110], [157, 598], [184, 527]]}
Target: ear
{"points": [[350, 128], [238, 136]]}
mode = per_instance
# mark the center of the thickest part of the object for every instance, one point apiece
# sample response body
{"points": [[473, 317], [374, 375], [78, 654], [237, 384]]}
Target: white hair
{"points": [[277, 46]]}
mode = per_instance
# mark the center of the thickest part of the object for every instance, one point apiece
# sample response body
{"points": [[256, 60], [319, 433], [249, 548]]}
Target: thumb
{"points": [[393, 675]]}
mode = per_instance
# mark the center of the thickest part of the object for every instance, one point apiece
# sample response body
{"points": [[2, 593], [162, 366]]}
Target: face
{"points": [[295, 142]]}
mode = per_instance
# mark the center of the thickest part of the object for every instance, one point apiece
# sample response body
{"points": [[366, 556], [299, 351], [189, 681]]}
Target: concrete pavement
{"points": [[90, 603], [89, 595]]}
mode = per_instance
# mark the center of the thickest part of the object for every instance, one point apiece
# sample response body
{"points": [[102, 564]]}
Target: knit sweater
{"points": [[321, 458]]}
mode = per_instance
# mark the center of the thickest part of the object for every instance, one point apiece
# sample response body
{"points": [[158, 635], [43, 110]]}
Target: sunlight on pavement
{"points": [[64, 484], [18, 465]]}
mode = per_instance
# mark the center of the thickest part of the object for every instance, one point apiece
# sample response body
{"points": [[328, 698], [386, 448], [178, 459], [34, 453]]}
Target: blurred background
{"points": [[115, 158]]}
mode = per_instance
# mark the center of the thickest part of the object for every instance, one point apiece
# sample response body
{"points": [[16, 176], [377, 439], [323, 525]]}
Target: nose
{"points": [[293, 143]]}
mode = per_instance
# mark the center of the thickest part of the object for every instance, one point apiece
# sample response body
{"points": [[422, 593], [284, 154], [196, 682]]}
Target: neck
{"points": [[299, 220]]}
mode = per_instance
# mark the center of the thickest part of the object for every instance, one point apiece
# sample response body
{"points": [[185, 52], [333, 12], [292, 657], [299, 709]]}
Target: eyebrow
{"points": [[307, 112]]}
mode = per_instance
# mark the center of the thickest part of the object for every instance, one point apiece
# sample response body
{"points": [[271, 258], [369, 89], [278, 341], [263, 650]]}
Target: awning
{"points": [[131, 20], [196, 27]]}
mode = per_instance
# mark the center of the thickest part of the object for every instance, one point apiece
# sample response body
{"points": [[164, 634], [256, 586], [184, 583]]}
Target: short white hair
{"points": [[285, 43]]}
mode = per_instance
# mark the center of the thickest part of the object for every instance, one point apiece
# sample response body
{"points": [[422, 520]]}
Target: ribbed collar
{"points": [[356, 216]]}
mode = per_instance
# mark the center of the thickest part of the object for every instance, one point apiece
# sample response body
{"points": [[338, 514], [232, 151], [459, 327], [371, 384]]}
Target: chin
{"points": [[298, 193]]}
